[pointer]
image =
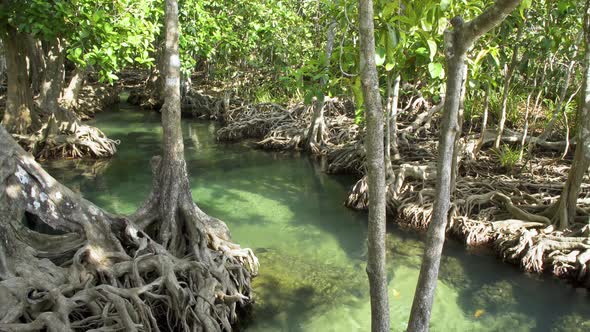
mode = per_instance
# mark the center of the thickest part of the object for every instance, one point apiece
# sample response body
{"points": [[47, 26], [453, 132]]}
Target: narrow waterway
{"points": [[311, 248]]}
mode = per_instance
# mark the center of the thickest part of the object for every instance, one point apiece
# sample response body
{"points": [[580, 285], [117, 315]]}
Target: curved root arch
{"points": [[106, 272]]}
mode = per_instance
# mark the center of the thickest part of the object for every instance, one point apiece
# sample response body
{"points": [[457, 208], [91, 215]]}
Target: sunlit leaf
{"points": [[436, 70]]}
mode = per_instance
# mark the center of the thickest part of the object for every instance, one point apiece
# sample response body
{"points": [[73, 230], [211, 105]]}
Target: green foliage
{"points": [[104, 34], [507, 156]]}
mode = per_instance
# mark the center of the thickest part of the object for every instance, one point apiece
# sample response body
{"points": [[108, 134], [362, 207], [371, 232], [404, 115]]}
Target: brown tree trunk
{"points": [[375, 171], [457, 42], [18, 115], [567, 204]]}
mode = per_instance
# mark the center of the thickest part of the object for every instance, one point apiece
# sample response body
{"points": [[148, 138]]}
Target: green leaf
{"points": [[421, 51], [357, 90], [379, 56], [445, 4], [390, 9], [432, 47], [392, 43], [389, 66], [524, 4], [77, 52], [436, 70]]}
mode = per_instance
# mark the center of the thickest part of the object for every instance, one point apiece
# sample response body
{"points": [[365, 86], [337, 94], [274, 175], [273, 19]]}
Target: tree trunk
{"points": [[172, 269], [569, 197], [460, 118], [375, 171], [71, 93], [2, 64], [562, 96], [36, 62], [484, 121], [506, 90], [53, 77], [391, 117], [457, 42], [169, 211], [18, 115], [317, 128]]}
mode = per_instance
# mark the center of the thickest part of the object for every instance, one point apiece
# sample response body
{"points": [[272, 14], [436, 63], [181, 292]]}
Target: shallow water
{"points": [[311, 248]]}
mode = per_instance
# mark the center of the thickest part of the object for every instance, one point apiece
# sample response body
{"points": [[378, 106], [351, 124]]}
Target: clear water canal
{"points": [[311, 248]]}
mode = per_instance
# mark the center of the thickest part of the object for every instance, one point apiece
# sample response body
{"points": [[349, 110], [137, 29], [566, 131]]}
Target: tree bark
{"points": [[72, 91], [391, 117], [568, 201], [36, 62], [18, 116], [506, 90], [53, 77], [2, 64], [457, 42], [375, 171], [484, 121], [317, 128]]}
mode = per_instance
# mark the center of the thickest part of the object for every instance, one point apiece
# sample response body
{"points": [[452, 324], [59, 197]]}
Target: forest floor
{"points": [[496, 204]]}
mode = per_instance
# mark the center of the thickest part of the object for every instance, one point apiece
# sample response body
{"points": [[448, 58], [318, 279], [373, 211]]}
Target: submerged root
{"points": [[105, 272]]}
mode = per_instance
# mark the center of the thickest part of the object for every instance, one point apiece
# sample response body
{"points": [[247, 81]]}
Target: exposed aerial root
{"points": [[347, 158], [280, 128], [68, 138], [502, 212], [104, 272]]}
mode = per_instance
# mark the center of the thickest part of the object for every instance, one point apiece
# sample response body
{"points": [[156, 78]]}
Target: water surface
{"points": [[311, 248]]}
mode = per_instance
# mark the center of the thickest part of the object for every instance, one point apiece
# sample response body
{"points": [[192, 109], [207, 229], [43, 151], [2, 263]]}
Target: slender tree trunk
{"points": [[457, 42], [18, 115], [525, 131], [388, 144], [562, 96], [569, 197], [506, 90], [375, 171], [317, 129], [53, 77], [460, 119], [391, 118], [484, 121]]}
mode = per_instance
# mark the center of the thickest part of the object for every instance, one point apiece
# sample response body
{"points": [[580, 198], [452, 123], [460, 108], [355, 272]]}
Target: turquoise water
{"points": [[311, 248]]}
